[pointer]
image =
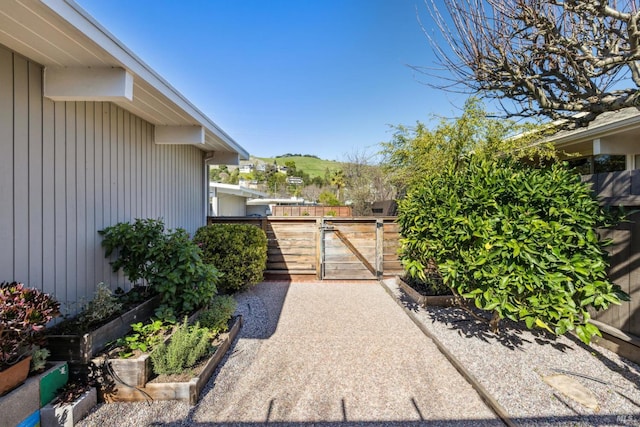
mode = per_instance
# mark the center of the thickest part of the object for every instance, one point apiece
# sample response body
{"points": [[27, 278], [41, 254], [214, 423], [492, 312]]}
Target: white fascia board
{"points": [[187, 135], [597, 131], [236, 190], [88, 84], [70, 11]]}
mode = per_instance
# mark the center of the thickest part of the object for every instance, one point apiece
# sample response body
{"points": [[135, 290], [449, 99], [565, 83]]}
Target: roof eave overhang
{"points": [[62, 35], [595, 132]]}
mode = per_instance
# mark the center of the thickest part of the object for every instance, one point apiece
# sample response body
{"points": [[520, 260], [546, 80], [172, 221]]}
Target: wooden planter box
{"points": [[132, 372], [187, 391], [79, 349], [53, 415], [423, 300]]}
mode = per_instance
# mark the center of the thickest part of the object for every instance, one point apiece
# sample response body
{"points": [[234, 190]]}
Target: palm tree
{"points": [[336, 179]]}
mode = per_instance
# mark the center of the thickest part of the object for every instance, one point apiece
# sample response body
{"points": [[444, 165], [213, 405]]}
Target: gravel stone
{"points": [[511, 365], [321, 353]]}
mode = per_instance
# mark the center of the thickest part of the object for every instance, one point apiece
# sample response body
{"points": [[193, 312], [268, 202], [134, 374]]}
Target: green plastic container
{"points": [[51, 381]]}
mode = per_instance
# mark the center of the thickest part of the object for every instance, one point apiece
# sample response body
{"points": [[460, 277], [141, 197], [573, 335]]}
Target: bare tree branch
{"points": [[552, 58]]}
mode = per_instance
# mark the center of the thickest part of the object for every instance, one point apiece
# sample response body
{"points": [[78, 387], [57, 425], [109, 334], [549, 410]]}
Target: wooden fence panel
{"points": [[341, 248], [391, 264], [312, 211]]}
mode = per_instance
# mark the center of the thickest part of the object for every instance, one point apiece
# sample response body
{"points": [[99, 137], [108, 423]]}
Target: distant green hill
{"points": [[311, 165]]}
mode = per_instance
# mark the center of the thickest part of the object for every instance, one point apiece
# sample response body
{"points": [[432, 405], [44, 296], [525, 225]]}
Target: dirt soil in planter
{"points": [[424, 288], [75, 326]]}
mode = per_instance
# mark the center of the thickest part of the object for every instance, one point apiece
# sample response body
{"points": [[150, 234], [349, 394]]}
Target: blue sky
{"points": [[323, 77]]}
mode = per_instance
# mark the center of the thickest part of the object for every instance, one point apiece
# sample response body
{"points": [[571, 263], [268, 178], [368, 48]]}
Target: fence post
{"points": [[379, 247], [319, 247]]}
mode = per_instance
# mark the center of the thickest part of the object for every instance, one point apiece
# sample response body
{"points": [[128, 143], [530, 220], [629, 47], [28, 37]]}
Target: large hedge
{"points": [[518, 241], [238, 251]]}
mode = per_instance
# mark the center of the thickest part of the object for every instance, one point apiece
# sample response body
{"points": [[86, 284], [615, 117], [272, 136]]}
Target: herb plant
{"points": [[217, 314], [168, 261], [103, 305], [188, 344], [134, 245]]}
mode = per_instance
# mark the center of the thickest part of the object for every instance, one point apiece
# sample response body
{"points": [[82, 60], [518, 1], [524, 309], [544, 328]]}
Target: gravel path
{"points": [[321, 354], [511, 365]]}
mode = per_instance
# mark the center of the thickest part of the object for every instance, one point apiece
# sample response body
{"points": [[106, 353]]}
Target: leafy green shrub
{"points": [[187, 345], [134, 244], [180, 274], [518, 241], [217, 315], [238, 251], [168, 261]]}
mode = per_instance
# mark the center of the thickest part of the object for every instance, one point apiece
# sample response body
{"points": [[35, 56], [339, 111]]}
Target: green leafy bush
{"points": [[168, 261], [180, 274], [518, 241], [238, 251], [134, 245], [187, 345], [216, 316]]}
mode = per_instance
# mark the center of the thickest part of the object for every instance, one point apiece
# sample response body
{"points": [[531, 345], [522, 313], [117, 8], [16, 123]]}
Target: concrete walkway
{"points": [[323, 353]]}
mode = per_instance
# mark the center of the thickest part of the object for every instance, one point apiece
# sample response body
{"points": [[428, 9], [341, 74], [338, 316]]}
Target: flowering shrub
{"points": [[24, 312]]}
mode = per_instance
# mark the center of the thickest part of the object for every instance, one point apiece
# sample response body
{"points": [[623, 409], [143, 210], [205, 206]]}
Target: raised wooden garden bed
{"points": [[426, 300], [134, 371], [79, 349], [188, 391]]}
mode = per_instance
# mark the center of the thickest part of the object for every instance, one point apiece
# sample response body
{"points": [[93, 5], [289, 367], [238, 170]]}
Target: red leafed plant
{"points": [[24, 312]]}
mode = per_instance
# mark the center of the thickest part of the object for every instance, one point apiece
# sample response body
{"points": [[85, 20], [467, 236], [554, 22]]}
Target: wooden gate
{"points": [[327, 248], [349, 249]]}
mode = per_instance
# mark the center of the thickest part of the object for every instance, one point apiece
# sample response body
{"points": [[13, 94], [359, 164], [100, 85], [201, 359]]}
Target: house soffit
{"points": [[58, 33]]}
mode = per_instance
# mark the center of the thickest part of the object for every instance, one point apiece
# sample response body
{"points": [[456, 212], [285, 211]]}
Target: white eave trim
{"points": [[596, 132], [236, 190], [80, 19]]}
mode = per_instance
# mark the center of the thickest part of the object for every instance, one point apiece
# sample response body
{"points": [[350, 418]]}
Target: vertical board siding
{"points": [[69, 169], [21, 164], [6, 161], [36, 183]]}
